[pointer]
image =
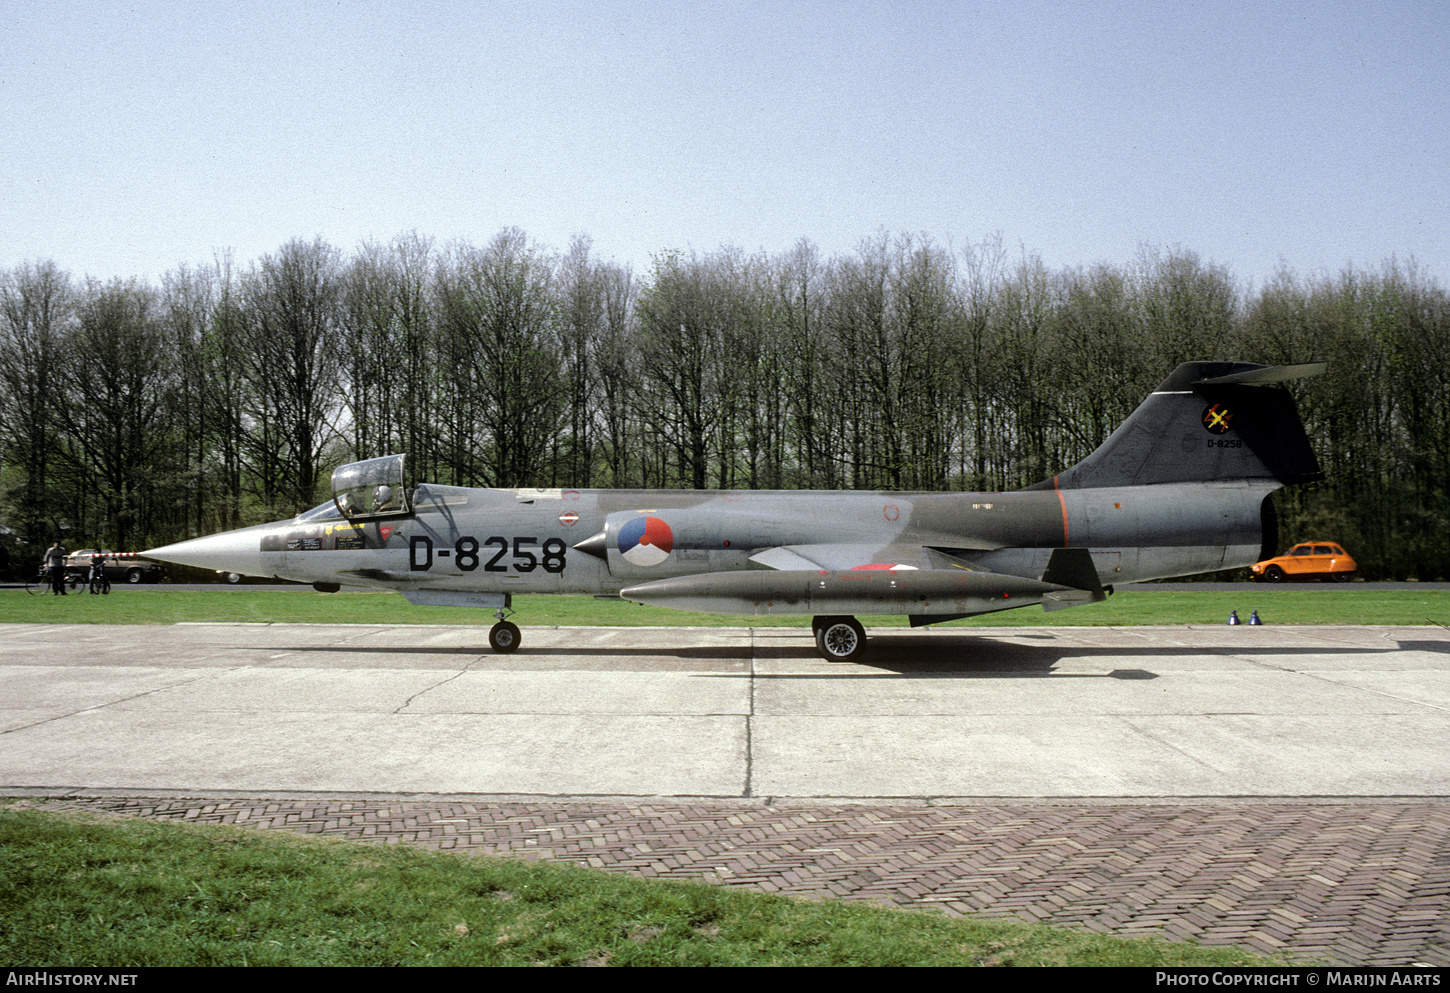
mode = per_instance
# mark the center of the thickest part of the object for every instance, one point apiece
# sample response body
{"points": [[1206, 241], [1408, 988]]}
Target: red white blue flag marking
{"points": [[646, 541]]}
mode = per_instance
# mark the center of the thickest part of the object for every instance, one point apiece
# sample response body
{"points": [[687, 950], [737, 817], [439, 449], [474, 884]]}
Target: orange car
{"points": [[1311, 560]]}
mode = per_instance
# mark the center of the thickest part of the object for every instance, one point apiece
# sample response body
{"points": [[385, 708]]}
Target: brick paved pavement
{"points": [[1355, 884]]}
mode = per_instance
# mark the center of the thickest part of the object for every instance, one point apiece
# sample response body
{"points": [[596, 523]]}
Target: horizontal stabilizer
{"points": [[1267, 374]]}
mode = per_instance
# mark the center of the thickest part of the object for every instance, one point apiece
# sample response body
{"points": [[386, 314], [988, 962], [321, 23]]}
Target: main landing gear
{"points": [[504, 637], [840, 638]]}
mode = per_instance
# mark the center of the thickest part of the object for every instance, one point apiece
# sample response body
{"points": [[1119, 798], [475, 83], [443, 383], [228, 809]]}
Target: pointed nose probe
{"points": [[230, 551]]}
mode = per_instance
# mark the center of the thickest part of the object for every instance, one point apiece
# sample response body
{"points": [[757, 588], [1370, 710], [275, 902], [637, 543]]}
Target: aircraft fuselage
{"points": [[524, 541]]}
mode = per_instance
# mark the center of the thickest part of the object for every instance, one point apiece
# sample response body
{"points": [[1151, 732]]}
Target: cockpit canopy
{"points": [[373, 489]]}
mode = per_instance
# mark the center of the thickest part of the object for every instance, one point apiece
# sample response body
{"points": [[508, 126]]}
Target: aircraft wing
{"points": [[857, 557]]}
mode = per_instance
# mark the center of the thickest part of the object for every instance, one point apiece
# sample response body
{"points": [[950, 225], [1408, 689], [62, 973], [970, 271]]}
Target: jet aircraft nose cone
{"points": [[230, 551]]}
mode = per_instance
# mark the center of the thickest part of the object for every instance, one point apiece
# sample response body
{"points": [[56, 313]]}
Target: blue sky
{"points": [[135, 137]]}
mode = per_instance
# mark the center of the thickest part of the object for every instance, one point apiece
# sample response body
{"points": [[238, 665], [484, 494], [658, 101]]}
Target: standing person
{"points": [[97, 577], [55, 561]]}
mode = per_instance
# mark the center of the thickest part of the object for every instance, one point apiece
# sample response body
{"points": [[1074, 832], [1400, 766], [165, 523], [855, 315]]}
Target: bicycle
{"points": [[39, 584], [100, 583]]}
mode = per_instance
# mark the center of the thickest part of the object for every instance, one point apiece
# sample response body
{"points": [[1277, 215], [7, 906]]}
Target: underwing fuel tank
{"points": [[905, 591]]}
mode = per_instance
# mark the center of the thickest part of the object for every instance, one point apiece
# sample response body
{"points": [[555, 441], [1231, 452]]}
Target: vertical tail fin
{"points": [[1207, 421]]}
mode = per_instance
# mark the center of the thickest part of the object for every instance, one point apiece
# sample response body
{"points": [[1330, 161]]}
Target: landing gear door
{"points": [[371, 490]]}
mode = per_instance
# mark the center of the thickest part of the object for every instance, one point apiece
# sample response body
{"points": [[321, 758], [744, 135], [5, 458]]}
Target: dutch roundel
{"points": [[646, 541]]}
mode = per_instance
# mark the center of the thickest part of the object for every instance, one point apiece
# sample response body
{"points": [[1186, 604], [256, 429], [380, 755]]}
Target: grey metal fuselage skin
{"points": [[522, 541]]}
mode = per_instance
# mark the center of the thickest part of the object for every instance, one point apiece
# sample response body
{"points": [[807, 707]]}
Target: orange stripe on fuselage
{"points": [[1063, 501]]}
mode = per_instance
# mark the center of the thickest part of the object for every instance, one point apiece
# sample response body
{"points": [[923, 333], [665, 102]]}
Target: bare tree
{"points": [[799, 300], [688, 317], [35, 310], [291, 308], [120, 402], [616, 368], [498, 324], [582, 322], [977, 360]]}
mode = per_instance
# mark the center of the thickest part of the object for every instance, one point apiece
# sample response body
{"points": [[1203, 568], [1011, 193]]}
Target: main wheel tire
{"points": [[840, 639], [1274, 574], [504, 637]]}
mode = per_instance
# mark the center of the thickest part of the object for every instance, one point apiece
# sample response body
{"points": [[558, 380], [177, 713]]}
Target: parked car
{"points": [[121, 567], [1323, 560]]}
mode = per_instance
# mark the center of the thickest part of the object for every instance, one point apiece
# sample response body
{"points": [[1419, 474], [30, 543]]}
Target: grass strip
{"points": [[1275, 605], [78, 890]]}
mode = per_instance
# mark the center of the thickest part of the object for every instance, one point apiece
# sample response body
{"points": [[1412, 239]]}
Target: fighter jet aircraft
{"points": [[1181, 487]]}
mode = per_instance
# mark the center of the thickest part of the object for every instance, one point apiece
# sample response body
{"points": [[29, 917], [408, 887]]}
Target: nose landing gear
{"points": [[504, 637]]}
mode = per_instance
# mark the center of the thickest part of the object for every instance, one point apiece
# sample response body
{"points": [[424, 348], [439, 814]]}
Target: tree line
{"points": [[134, 414]]}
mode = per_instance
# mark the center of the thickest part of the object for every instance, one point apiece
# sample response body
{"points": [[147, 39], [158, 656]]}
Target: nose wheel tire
{"points": [[504, 637], [839, 639]]}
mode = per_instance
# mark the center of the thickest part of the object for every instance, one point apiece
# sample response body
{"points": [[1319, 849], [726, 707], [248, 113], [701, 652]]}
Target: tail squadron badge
{"points": [[1216, 418]]}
